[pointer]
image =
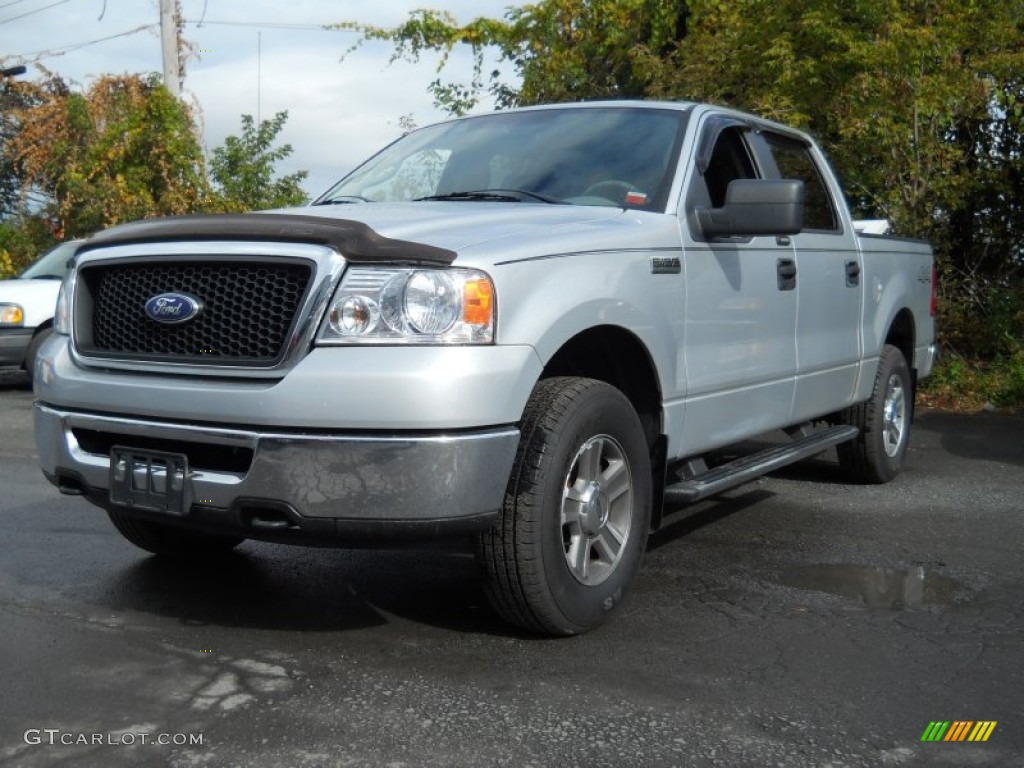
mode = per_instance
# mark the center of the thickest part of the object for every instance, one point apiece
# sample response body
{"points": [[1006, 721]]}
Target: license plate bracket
{"points": [[153, 481]]}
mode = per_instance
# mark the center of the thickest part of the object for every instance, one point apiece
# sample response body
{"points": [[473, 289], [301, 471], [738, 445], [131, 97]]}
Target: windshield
{"points": [[53, 264], [582, 155]]}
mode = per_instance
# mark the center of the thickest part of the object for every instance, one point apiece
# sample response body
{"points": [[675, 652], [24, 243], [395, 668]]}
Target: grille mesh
{"points": [[248, 310]]}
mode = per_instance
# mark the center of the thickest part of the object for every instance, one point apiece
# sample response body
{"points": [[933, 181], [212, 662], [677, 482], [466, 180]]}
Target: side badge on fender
{"points": [[666, 265]]}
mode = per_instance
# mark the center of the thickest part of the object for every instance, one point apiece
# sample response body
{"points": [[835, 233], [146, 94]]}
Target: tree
{"points": [[15, 97], [22, 235], [883, 84], [122, 150], [22, 239], [560, 50], [242, 169]]}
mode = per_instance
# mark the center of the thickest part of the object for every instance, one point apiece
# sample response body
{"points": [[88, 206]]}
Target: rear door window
{"points": [[793, 160]]}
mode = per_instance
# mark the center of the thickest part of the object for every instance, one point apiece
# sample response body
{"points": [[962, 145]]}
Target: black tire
{"points": [[577, 510], [33, 350], [879, 451], [168, 540]]}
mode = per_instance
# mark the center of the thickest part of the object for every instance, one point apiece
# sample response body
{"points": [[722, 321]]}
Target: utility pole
{"points": [[169, 46]]}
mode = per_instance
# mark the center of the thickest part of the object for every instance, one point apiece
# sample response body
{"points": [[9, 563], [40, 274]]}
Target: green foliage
{"points": [[15, 96], [21, 242], [982, 319], [1011, 394], [972, 384], [561, 50], [124, 149], [73, 162], [242, 169]]}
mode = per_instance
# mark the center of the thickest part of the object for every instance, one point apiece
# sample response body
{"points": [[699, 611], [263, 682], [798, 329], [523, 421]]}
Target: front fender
{"points": [[547, 302]]}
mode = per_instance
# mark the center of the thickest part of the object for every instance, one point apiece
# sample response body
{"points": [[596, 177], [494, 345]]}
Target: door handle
{"points": [[852, 274], [786, 270]]}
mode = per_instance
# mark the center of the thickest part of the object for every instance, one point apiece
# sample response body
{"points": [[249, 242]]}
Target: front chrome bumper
{"points": [[309, 476]]}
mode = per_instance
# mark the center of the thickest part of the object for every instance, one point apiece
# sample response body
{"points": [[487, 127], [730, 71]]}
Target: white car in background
{"points": [[27, 304]]}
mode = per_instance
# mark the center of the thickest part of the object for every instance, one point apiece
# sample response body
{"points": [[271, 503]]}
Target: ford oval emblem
{"points": [[173, 308]]}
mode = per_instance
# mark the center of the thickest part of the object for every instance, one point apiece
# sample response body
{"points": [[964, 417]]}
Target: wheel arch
{"points": [[902, 334], [618, 357]]}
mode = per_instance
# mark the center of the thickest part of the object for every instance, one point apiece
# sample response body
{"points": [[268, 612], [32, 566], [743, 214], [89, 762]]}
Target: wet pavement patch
{"points": [[876, 587]]}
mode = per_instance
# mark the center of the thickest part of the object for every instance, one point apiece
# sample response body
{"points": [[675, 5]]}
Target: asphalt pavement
{"points": [[796, 621]]}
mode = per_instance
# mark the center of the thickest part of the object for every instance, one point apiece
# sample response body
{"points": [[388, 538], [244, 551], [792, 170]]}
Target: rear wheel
{"points": [[878, 453], [162, 539], [577, 510]]}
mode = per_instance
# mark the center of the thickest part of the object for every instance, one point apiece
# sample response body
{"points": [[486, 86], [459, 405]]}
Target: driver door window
{"points": [[730, 160]]}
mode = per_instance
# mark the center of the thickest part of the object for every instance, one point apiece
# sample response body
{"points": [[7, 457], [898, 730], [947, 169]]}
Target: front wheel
{"points": [[879, 451], [577, 510]]}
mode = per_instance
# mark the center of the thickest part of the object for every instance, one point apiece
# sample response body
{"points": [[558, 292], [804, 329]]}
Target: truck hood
{"points": [[457, 226], [38, 298]]}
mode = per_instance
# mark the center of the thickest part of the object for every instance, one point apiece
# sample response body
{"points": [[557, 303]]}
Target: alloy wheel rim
{"points": [[596, 512], [894, 415]]}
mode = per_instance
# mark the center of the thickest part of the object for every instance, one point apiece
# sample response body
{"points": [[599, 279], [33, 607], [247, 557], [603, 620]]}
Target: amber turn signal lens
{"points": [[478, 304], [11, 314]]}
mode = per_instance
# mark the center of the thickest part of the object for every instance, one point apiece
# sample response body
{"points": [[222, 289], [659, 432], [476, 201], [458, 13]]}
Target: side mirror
{"points": [[756, 207]]}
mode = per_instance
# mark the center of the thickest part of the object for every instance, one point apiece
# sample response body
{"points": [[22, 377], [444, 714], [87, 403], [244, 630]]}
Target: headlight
{"points": [[411, 306], [62, 314], [11, 314]]}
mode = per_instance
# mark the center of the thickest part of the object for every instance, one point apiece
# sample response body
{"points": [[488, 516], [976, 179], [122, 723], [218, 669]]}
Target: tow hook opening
{"points": [[268, 516], [71, 486]]}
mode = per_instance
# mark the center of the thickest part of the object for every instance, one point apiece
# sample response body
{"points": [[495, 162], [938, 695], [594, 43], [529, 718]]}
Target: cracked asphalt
{"points": [[796, 621]]}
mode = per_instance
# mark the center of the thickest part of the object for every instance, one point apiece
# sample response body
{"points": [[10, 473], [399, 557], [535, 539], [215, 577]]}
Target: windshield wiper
{"points": [[495, 195], [344, 200]]}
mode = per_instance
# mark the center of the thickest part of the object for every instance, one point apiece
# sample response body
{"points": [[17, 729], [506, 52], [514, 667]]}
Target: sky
{"points": [[256, 57]]}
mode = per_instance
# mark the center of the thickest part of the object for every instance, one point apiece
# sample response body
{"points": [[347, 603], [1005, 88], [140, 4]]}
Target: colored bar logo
{"points": [[958, 730]]}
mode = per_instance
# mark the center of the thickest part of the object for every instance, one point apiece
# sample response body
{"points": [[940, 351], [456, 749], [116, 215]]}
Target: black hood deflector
{"points": [[357, 242]]}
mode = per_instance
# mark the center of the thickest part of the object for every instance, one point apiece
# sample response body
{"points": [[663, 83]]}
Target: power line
{"points": [[266, 25], [8, 5], [48, 52], [37, 10], [61, 50]]}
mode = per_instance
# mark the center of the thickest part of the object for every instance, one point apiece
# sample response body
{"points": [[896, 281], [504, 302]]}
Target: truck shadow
{"points": [[308, 590], [270, 587], [977, 436], [296, 589], [681, 521], [824, 471]]}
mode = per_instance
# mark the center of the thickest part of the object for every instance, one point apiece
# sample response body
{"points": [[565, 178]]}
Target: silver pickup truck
{"points": [[540, 327]]}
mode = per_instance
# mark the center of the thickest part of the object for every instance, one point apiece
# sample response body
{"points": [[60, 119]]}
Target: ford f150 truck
{"points": [[539, 326]]}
